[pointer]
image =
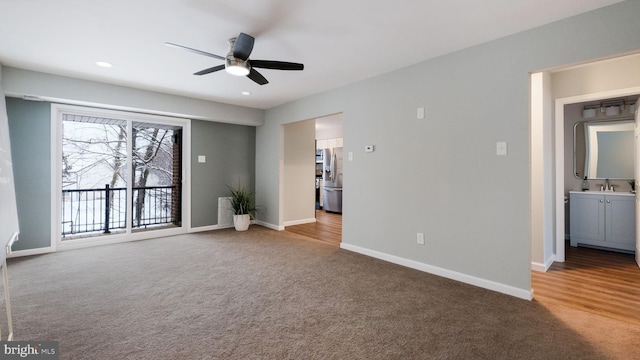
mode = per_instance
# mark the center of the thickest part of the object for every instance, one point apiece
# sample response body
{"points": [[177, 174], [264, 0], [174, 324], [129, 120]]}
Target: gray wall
{"points": [[30, 132], [230, 152], [61, 89], [230, 160], [441, 175]]}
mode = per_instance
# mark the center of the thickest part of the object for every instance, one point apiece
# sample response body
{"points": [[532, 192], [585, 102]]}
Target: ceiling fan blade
{"points": [[210, 70], [276, 65], [243, 46], [257, 77], [194, 50]]}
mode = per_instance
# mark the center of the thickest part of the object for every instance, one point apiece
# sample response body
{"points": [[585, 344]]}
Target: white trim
{"points": [[80, 243], [30, 252], [299, 222], [542, 267], [130, 179], [450, 274], [56, 175], [209, 228], [559, 158], [186, 175], [270, 226], [559, 196], [281, 203], [215, 227]]}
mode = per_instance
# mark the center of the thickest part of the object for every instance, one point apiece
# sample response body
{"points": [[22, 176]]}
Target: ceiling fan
{"points": [[237, 61]]}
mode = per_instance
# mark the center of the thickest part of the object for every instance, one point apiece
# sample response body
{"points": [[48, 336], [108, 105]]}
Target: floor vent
{"points": [[225, 213]]}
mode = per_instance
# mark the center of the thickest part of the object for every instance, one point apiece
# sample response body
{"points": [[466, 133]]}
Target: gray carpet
{"points": [[264, 294]]}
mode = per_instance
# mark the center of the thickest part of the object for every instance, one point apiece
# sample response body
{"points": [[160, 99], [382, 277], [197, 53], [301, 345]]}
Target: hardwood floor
{"points": [[595, 281], [327, 228]]}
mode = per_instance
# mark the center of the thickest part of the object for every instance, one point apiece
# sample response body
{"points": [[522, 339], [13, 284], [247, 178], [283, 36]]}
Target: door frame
{"points": [[56, 178], [560, 160]]}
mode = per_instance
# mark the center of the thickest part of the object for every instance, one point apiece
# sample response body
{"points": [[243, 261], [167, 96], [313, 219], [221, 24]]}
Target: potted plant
{"points": [[243, 206]]}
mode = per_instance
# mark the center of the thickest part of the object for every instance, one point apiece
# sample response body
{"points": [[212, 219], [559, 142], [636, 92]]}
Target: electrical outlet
{"points": [[420, 239]]}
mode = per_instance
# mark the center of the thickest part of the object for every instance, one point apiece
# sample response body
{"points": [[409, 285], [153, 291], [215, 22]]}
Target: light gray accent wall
{"points": [[299, 170], [441, 175], [69, 90], [30, 132], [229, 150], [230, 160]]}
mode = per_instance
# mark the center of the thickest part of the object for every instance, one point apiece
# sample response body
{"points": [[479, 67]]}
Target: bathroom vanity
{"points": [[603, 219]]}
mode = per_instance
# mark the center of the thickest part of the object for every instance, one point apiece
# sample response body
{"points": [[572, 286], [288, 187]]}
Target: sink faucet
{"points": [[606, 185]]}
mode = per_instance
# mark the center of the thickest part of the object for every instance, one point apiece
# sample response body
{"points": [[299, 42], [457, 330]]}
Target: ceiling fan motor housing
{"points": [[233, 65]]}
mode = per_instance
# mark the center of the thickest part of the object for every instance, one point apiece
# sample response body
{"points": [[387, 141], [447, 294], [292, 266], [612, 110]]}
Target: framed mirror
{"points": [[603, 150]]}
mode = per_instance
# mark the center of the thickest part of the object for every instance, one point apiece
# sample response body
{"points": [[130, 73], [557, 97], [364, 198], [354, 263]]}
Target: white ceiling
{"points": [[339, 41]]}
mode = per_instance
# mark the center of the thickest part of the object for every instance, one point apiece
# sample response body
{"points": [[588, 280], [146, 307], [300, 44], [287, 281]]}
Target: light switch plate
{"points": [[420, 113], [350, 155], [501, 148], [202, 159]]}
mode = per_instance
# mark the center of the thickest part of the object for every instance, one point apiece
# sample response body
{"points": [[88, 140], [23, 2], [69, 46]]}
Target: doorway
{"points": [[551, 91], [118, 176], [314, 213], [561, 88]]}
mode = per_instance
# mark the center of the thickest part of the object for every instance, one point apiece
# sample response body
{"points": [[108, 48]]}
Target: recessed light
{"points": [[246, 93], [104, 64]]}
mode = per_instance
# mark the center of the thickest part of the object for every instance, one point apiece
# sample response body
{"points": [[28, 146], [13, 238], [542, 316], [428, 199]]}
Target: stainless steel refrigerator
{"points": [[332, 180]]}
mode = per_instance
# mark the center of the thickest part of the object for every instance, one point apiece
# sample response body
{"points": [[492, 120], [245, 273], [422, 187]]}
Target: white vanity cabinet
{"points": [[603, 219]]}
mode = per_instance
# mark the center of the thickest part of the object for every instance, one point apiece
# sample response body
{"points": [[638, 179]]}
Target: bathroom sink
{"points": [[597, 192]]}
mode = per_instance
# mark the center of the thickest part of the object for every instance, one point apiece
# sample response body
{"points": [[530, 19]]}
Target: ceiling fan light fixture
{"points": [[104, 64], [236, 67]]}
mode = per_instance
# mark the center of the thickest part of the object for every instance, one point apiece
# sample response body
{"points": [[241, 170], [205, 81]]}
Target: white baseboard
{"points": [[299, 222], [29, 252], [209, 228], [214, 227], [270, 226], [542, 267], [454, 275]]}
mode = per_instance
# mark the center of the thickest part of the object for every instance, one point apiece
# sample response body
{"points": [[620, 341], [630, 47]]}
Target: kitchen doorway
{"points": [[326, 138]]}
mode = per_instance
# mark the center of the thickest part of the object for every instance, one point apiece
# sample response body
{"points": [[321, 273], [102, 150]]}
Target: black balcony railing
{"points": [[103, 210]]}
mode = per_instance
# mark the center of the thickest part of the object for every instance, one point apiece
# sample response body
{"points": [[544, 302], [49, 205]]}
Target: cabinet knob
{"points": [[608, 201], [600, 200]]}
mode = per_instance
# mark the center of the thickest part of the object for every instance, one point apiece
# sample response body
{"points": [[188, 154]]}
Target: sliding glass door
{"points": [[120, 173]]}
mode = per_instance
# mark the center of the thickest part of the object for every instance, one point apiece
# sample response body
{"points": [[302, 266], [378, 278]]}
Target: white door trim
{"points": [[56, 171], [559, 151]]}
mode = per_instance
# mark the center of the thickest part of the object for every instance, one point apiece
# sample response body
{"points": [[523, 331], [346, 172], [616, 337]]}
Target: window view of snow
{"points": [[100, 157]]}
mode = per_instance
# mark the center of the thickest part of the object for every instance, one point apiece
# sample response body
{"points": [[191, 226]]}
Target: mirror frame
{"points": [[619, 121]]}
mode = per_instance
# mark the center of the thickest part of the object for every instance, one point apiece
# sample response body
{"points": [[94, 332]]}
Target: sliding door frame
{"points": [[56, 176]]}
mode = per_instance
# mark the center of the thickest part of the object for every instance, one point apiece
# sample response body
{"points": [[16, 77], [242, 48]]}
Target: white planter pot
{"points": [[241, 222]]}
